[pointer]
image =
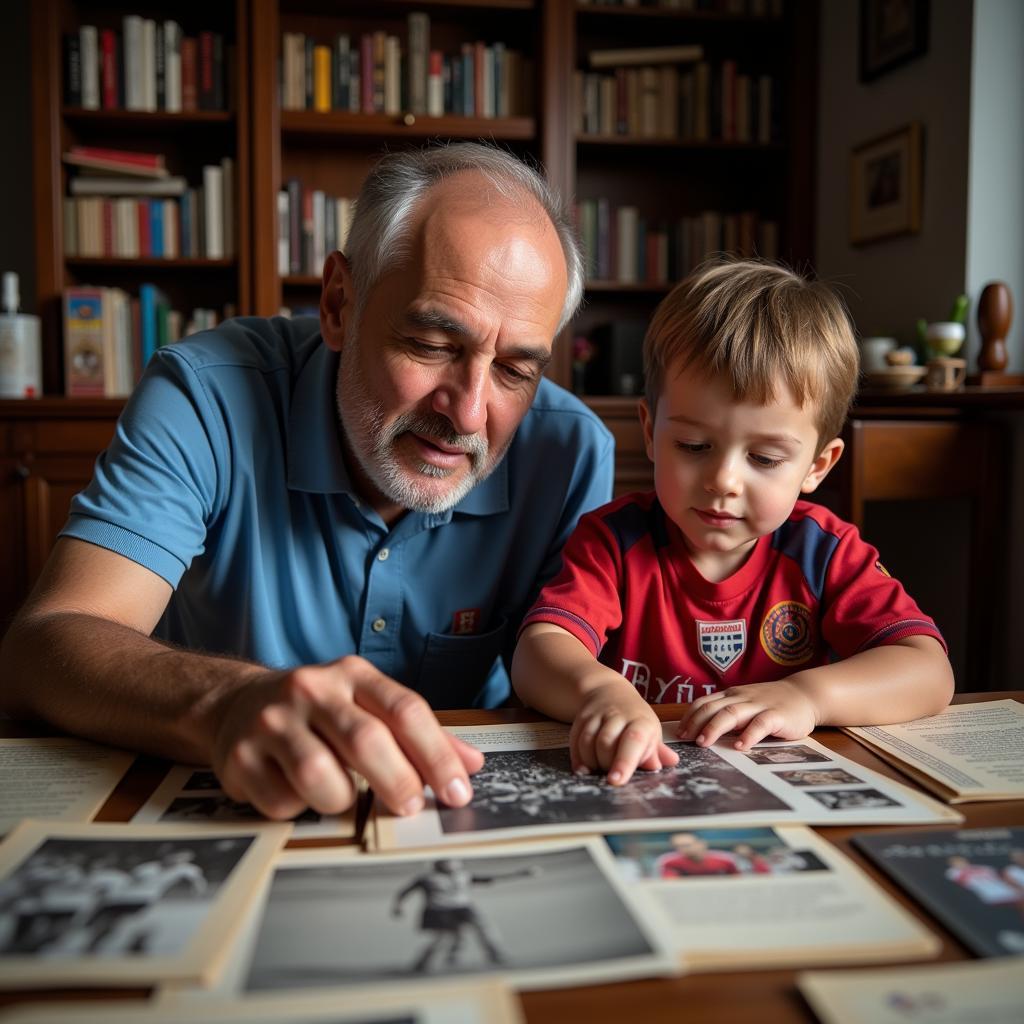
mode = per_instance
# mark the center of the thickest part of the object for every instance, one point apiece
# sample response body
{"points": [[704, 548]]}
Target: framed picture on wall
{"points": [[892, 32], [885, 186]]}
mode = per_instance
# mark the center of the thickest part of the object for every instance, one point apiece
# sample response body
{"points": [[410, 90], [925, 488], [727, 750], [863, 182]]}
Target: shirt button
{"points": [[378, 625], [382, 555]]}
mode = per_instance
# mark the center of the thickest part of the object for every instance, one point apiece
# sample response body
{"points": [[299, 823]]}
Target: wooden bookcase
{"points": [[332, 151], [187, 139]]}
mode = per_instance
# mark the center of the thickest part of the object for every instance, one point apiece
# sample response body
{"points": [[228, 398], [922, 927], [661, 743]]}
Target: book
{"points": [[969, 752], [731, 898], [126, 186], [989, 991], [89, 40], [644, 55], [151, 301], [972, 880], [83, 342], [117, 161]]}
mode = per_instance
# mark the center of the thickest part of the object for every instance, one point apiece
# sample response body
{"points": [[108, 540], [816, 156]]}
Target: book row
{"points": [[310, 224], [623, 246], [113, 221], [376, 73], [109, 336], [702, 103], [738, 8], [150, 66]]}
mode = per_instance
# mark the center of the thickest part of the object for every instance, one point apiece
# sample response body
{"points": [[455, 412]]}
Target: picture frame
{"points": [[892, 32], [885, 185]]}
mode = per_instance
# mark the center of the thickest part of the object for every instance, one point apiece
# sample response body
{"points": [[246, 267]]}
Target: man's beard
{"points": [[372, 442]]}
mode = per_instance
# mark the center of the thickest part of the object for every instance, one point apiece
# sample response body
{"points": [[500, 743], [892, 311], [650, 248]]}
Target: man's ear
{"points": [[820, 467], [647, 426], [337, 300]]}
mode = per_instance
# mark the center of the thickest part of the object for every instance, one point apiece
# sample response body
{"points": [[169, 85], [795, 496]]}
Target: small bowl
{"points": [[945, 337], [895, 378]]}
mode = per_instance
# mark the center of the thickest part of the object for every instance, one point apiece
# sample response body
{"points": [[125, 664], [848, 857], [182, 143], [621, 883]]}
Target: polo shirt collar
{"points": [[316, 461]]}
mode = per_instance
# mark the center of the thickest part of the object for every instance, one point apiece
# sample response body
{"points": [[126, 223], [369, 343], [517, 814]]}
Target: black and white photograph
{"points": [[201, 779], [104, 898], [709, 852], [466, 1001], [193, 796], [786, 755], [852, 799], [818, 777], [545, 913], [519, 788]]}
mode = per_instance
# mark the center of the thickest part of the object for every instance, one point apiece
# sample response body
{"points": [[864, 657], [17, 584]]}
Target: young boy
{"points": [[768, 615]]}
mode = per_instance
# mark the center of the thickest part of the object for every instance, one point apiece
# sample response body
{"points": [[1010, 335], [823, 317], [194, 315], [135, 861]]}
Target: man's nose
{"points": [[462, 398]]}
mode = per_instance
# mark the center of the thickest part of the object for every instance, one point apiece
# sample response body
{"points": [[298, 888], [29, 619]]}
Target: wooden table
{"points": [[764, 997]]}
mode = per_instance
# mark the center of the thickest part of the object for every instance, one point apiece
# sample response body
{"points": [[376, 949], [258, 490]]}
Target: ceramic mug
{"points": [[873, 351], [945, 373]]}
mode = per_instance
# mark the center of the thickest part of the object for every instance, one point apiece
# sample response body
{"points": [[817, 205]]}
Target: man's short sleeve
{"points": [[156, 487]]}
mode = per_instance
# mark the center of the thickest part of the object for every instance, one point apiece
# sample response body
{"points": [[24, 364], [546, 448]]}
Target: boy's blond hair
{"points": [[757, 323]]}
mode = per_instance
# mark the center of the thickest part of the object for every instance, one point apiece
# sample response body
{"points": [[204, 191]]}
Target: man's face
{"points": [[689, 845], [447, 352]]}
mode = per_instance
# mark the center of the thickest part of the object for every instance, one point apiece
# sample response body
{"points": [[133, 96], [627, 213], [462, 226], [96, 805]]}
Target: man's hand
{"points": [[780, 709], [288, 740], [615, 729]]}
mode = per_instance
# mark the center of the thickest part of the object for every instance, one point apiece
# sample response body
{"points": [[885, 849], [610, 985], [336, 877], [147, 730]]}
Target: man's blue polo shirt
{"points": [[226, 478]]}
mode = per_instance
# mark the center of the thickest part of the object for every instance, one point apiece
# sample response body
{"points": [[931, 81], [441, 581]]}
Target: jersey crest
{"points": [[721, 643], [787, 633]]}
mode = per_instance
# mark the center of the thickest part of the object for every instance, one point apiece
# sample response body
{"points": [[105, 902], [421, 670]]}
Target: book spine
{"points": [[205, 98], [379, 76], [283, 267], [108, 69], [189, 74], [83, 342], [131, 34], [419, 61], [148, 64], [141, 208], [185, 224], [435, 85], [72, 69], [308, 228], [219, 63], [392, 75], [294, 226], [322, 79], [147, 321], [172, 65], [342, 71], [319, 218], [213, 211], [159, 66], [366, 73], [227, 170], [89, 42]]}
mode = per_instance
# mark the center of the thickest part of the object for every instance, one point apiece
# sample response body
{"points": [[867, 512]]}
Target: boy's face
{"points": [[729, 472]]}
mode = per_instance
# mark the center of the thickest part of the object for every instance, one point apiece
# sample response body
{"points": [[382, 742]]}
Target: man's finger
{"points": [[760, 726], [257, 779], [729, 719], [472, 759], [417, 733]]}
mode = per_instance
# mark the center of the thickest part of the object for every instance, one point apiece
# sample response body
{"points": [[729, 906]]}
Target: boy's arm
{"points": [[898, 682], [613, 727]]}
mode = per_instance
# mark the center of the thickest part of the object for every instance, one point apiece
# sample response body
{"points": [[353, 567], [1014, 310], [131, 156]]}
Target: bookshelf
{"points": [[188, 139], [50, 445]]}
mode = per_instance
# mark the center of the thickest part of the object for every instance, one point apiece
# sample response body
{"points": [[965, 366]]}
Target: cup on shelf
{"points": [[873, 351], [945, 373], [945, 337]]}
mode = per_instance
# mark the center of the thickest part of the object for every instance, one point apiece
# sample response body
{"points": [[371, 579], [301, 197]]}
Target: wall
{"points": [[890, 283], [17, 240]]}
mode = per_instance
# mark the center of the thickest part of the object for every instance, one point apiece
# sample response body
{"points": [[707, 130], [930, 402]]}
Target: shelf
{"points": [[391, 7], [138, 118], [670, 142], [148, 263], [301, 281], [637, 288], [312, 123], [675, 14]]}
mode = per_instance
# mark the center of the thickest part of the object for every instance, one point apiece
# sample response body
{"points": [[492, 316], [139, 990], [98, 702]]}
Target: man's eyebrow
{"points": [[789, 439], [432, 319]]}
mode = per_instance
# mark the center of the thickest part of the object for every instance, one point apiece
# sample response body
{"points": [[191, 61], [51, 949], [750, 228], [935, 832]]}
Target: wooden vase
{"points": [[995, 311]]}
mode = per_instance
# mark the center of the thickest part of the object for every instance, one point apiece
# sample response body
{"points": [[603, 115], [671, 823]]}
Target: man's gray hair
{"points": [[379, 238]]}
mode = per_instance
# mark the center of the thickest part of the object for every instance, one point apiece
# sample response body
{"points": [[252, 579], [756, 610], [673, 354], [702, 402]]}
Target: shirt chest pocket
{"points": [[454, 669]]}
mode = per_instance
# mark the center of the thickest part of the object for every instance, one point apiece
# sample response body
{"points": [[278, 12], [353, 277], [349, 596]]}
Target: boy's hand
{"points": [[615, 729], [780, 709]]}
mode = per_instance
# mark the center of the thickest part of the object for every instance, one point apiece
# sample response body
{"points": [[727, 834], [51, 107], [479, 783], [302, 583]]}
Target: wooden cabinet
{"points": [[47, 452]]}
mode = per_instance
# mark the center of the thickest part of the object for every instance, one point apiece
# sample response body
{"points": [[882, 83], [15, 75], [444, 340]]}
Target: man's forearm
{"points": [[97, 678]]}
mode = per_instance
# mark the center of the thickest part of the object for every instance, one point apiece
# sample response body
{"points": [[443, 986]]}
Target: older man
{"points": [[300, 540]]}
